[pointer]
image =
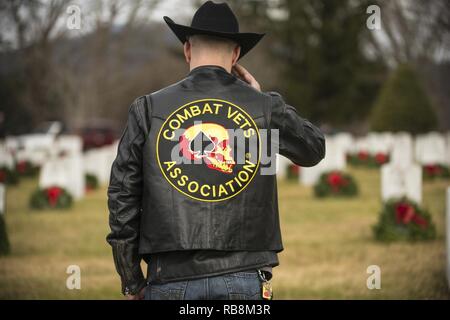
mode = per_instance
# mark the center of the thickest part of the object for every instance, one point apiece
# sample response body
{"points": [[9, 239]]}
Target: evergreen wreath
{"points": [[91, 182], [403, 219], [293, 171], [336, 183], [26, 168], [366, 159], [51, 198], [8, 176], [435, 171]]}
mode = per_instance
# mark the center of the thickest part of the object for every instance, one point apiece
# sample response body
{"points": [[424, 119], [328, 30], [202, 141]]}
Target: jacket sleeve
{"points": [[124, 200], [299, 140]]}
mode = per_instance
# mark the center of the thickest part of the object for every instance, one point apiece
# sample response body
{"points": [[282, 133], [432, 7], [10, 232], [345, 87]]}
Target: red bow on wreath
{"points": [[336, 180], [295, 169], [363, 155], [380, 158], [21, 167], [53, 194], [433, 170], [405, 213]]}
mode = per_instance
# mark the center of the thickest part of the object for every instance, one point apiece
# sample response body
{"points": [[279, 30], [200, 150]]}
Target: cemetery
{"points": [[337, 219], [371, 78]]}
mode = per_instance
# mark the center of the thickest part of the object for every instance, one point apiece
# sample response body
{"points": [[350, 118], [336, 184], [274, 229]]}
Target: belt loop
{"points": [[262, 276]]}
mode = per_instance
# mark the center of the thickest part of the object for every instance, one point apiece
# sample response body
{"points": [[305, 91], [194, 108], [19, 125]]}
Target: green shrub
{"points": [[403, 105]]}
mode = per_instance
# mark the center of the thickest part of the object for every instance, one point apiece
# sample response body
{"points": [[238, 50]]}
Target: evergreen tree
{"points": [[328, 76], [403, 105]]}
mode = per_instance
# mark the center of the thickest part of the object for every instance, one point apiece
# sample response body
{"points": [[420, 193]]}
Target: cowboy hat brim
{"points": [[246, 40]]}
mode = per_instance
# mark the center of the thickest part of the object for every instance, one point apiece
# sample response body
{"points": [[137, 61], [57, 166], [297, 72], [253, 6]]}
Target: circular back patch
{"points": [[209, 149]]}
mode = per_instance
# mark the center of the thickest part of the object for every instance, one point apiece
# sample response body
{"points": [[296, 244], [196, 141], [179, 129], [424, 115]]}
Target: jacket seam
{"points": [[124, 177]]}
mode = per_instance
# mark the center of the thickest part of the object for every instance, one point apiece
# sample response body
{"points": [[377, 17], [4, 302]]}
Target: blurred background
{"points": [[372, 74]]}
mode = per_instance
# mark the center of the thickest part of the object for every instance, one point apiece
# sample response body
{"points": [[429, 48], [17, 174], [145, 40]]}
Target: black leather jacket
{"points": [[182, 181]]}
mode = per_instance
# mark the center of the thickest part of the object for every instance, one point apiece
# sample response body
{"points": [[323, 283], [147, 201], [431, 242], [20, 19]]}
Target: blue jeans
{"points": [[234, 286]]}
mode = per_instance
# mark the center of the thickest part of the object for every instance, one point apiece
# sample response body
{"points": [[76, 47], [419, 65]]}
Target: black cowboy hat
{"points": [[216, 19]]}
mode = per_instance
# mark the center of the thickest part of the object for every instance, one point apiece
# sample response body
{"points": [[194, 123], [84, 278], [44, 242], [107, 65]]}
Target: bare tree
{"points": [[413, 31]]}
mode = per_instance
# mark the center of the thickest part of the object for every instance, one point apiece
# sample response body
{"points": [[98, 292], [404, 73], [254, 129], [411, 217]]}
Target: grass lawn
{"points": [[328, 247]]}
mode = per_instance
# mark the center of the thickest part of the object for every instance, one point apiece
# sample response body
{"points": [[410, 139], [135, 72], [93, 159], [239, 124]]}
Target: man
{"points": [[187, 191]]}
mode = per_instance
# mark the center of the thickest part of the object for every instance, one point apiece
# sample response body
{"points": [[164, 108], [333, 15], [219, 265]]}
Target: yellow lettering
{"points": [[249, 166], [193, 186], [207, 108], [182, 181], [174, 124], [185, 116], [222, 190], [195, 111], [230, 184], [218, 106], [231, 114], [175, 173], [168, 137], [203, 193], [246, 124], [243, 173], [169, 164], [238, 118], [249, 132]]}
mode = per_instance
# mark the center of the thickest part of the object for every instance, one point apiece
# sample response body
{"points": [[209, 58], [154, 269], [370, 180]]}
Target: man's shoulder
{"points": [[265, 95], [174, 87]]}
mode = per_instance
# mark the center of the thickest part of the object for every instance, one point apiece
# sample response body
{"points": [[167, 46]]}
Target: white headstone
{"points": [[6, 158], [53, 173], [12, 143], [335, 159], [400, 181], [77, 184], [66, 172], [2, 198], [361, 144], [379, 142], [447, 153], [69, 144], [402, 150], [36, 141], [36, 148], [98, 162], [430, 148], [282, 166], [345, 141], [309, 176]]}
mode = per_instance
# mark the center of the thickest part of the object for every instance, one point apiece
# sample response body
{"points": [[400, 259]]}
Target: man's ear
{"points": [[187, 51], [236, 54]]}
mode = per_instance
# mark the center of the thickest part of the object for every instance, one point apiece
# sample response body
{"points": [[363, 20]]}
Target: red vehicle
{"points": [[98, 134]]}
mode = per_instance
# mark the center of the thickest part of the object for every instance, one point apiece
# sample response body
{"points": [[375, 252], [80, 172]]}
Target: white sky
{"points": [[176, 9]]}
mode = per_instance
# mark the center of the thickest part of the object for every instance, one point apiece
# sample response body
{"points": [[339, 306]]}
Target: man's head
{"points": [[208, 50]]}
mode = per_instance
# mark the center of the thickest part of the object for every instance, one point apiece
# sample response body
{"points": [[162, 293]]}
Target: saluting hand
{"points": [[246, 76]]}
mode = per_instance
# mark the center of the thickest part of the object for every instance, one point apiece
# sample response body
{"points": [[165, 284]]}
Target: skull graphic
{"points": [[210, 142]]}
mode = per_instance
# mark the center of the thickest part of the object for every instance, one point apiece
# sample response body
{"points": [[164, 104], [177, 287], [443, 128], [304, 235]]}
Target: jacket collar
{"points": [[209, 68], [208, 76]]}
